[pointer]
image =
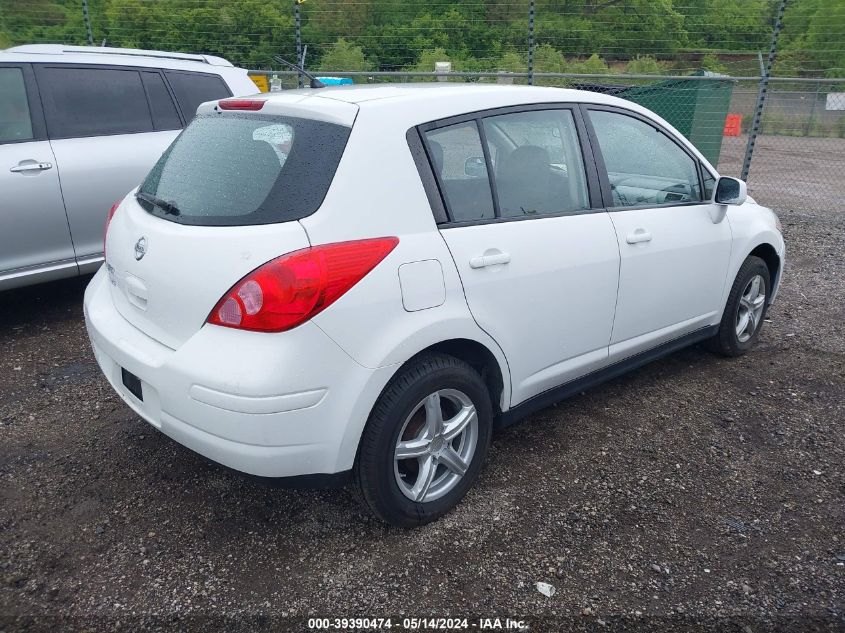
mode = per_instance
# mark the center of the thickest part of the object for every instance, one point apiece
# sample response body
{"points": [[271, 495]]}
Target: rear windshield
{"points": [[244, 169]]}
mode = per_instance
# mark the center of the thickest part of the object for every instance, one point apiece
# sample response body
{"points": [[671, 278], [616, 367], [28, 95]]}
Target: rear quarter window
{"points": [[238, 169], [192, 89]]}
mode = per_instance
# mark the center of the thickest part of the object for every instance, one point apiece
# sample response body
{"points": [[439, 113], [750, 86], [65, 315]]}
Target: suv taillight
{"points": [[108, 221], [291, 289]]}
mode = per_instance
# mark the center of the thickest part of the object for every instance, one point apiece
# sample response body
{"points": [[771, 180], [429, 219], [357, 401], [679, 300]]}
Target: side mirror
{"points": [[475, 167], [730, 191]]}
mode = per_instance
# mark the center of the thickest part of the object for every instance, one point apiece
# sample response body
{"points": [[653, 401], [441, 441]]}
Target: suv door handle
{"points": [[640, 235], [31, 167], [491, 259]]}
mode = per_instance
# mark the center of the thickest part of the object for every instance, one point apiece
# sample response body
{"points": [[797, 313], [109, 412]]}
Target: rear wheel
{"points": [[425, 441], [745, 310]]}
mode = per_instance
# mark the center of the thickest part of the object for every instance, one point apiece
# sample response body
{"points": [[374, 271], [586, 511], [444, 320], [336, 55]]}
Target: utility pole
{"points": [[87, 19], [531, 43], [761, 92], [298, 29]]}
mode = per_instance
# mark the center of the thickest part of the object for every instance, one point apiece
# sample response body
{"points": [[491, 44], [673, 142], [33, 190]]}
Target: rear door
{"points": [[539, 262], [674, 243], [107, 127], [33, 226]]}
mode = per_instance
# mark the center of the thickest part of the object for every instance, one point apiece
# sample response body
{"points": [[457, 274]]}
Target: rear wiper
{"points": [[164, 205]]}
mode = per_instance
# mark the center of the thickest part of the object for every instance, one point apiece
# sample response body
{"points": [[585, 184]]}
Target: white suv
{"points": [[79, 127], [364, 281]]}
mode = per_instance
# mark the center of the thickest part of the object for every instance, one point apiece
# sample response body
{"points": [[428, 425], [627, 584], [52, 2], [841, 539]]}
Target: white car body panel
{"points": [[673, 283], [161, 294], [574, 298], [561, 280]]}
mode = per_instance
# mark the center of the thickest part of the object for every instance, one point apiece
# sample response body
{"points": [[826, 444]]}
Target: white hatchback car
{"points": [[365, 281]]}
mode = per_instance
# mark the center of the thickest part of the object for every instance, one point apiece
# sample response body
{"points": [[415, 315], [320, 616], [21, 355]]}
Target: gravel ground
{"points": [[696, 493]]}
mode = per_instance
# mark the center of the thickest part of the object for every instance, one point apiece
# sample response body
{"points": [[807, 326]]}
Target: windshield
{"points": [[244, 169]]}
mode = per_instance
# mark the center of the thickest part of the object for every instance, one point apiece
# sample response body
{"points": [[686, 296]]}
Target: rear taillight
{"points": [[291, 289], [108, 221], [241, 104]]}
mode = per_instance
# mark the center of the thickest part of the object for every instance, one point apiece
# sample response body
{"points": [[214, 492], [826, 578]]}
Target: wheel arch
{"points": [[480, 358], [769, 255], [485, 357]]}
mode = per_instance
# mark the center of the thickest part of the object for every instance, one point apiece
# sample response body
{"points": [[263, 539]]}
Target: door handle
{"points": [[31, 167], [491, 259], [640, 235]]}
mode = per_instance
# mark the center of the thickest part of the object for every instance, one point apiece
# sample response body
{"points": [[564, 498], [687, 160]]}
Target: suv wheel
{"points": [[745, 310], [425, 441]]}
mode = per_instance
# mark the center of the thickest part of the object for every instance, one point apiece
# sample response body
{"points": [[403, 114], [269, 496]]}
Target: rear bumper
{"points": [[275, 405]]}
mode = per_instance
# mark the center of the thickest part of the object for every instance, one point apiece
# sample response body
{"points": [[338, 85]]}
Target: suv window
{"points": [[237, 169], [82, 102], [165, 116], [644, 165], [192, 89], [538, 166], [15, 121], [458, 162]]}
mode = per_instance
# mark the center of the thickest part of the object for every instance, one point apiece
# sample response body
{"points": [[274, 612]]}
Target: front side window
{"points": [[538, 168], [81, 102], [643, 165], [15, 121], [238, 170], [458, 162]]}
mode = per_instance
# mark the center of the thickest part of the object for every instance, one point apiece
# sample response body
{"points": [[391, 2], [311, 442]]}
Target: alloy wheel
{"points": [[750, 309], [436, 445]]}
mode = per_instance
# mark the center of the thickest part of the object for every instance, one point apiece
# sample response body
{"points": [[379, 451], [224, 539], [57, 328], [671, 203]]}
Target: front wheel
{"points": [[425, 441], [745, 310]]}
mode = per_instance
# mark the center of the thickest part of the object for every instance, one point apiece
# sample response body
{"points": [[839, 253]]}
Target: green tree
{"points": [[712, 63], [344, 55], [593, 65], [426, 61], [645, 65], [246, 32]]}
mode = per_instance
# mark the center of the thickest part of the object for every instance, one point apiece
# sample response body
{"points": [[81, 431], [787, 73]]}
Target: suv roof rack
{"points": [[59, 49]]}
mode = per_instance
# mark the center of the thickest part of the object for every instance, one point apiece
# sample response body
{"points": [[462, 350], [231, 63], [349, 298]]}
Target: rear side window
{"points": [[459, 164], [192, 89], [165, 116], [82, 102], [244, 169], [15, 121], [538, 170]]}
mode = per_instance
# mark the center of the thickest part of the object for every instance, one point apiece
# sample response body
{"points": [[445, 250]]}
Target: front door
{"points": [[539, 265], [675, 246]]}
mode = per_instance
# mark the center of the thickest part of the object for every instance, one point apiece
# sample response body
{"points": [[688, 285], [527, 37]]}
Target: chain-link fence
{"points": [[757, 85]]}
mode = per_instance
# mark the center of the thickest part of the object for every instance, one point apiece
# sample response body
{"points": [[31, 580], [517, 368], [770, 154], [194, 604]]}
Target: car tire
{"points": [[746, 306], [415, 490]]}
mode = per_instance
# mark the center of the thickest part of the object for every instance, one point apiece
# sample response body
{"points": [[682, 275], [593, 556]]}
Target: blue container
{"points": [[336, 81]]}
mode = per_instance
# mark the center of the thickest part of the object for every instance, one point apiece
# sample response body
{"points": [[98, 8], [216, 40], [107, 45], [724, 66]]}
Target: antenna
{"points": [[315, 83]]}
